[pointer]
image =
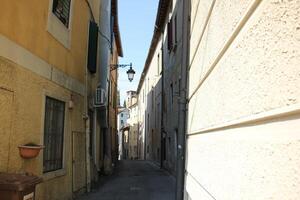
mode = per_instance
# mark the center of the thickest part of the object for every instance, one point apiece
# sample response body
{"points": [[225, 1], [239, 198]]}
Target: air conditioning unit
{"points": [[100, 97]]}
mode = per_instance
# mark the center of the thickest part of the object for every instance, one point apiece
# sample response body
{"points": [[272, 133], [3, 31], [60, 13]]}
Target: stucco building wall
{"points": [[153, 96], [172, 62], [113, 107], [25, 94], [36, 63], [243, 140], [26, 24], [133, 132], [149, 96]]}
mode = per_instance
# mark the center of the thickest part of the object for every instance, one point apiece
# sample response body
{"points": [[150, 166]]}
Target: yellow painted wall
{"points": [[33, 64], [25, 22], [22, 102], [6, 98]]}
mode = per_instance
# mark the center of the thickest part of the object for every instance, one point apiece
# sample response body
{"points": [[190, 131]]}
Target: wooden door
{"points": [[6, 111]]}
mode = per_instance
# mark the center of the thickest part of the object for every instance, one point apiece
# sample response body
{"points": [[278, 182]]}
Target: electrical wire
{"points": [[93, 19]]}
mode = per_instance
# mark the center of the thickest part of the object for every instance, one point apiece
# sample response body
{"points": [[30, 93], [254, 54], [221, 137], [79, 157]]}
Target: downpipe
{"points": [[183, 104]]}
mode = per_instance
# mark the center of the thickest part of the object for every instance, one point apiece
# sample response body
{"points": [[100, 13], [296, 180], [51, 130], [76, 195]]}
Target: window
{"points": [[91, 147], [158, 64], [175, 30], [135, 149], [53, 135], [121, 114], [152, 98], [112, 38], [92, 48], [59, 21], [172, 33], [115, 97], [171, 94], [61, 8], [110, 93]]}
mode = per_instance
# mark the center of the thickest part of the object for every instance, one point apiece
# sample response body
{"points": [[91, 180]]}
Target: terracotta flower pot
{"points": [[30, 151]]}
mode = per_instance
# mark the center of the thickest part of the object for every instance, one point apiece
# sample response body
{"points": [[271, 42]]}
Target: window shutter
{"points": [[175, 30], [170, 35], [112, 33], [92, 49]]}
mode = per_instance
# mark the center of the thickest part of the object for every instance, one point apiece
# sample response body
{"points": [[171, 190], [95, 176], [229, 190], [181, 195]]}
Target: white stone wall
{"points": [[244, 111], [133, 123], [147, 105], [122, 116]]}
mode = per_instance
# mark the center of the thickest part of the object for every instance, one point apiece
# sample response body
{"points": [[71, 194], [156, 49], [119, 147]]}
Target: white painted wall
{"points": [[147, 106], [244, 110], [133, 131], [123, 116]]}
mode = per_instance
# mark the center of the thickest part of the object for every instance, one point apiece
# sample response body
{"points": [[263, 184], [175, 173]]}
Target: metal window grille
{"points": [[61, 8], [53, 135]]}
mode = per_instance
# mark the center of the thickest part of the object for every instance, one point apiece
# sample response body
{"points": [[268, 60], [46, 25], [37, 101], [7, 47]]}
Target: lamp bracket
{"points": [[116, 66]]}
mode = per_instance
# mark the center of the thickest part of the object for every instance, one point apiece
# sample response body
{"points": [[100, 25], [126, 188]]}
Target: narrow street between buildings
{"points": [[95, 93], [135, 180]]}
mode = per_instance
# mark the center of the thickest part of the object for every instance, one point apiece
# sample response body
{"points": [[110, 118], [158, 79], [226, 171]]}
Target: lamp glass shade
{"points": [[130, 74]]}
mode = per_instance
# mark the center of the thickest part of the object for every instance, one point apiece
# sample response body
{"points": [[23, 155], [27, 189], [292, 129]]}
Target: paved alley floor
{"points": [[135, 180]]}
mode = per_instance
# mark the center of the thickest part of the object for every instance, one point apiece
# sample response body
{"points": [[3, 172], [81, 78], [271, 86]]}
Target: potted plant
{"points": [[30, 150]]}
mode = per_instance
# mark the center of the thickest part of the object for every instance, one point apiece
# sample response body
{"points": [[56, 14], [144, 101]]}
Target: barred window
{"points": [[53, 135], [61, 8]]}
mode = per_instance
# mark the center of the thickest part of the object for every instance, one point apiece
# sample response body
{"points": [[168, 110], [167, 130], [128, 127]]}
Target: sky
{"points": [[136, 21]]}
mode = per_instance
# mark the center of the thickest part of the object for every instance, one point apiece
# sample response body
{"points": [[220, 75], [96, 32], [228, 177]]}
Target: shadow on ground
{"points": [[134, 180]]}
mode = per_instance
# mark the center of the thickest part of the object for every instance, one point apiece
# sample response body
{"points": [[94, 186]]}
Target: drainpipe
{"points": [[104, 67], [87, 134], [183, 103]]}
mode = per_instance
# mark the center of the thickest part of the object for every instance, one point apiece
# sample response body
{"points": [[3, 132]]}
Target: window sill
{"points": [[55, 174]]}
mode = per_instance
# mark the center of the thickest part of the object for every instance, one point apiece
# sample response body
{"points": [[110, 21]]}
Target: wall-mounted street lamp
{"points": [[129, 72]]}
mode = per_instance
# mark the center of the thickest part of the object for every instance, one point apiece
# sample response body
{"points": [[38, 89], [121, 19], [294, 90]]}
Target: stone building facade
{"points": [[47, 89], [230, 96]]}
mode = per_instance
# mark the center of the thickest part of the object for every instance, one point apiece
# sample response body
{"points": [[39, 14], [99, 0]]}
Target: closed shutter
{"points": [[93, 46], [170, 35]]}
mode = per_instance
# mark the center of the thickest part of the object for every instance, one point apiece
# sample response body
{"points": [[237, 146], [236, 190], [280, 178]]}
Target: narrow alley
{"points": [[135, 180], [149, 100]]}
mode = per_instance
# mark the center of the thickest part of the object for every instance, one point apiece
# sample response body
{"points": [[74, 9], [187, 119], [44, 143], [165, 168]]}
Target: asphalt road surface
{"points": [[134, 180]]}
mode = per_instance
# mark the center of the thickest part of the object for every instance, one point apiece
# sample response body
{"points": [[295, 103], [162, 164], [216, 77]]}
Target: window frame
{"points": [[64, 98], [67, 23], [62, 136], [57, 29], [172, 34]]}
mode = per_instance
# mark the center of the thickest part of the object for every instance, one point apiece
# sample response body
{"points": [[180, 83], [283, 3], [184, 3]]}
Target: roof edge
{"points": [[114, 9], [161, 15]]}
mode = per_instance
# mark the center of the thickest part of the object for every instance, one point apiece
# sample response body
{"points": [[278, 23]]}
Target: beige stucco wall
{"points": [[25, 96], [38, 60], [113, 107], [244, 100], [26, 23]]}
